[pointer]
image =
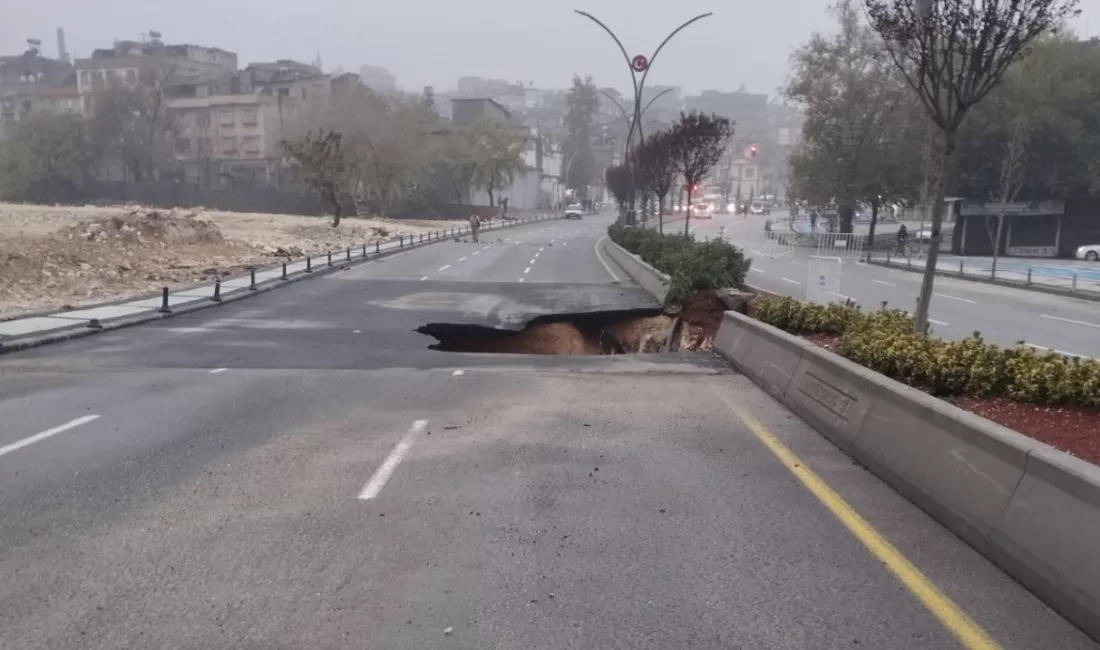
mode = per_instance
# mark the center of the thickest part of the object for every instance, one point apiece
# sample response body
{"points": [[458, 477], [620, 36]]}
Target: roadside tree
{"points": [[698, 142], [952, 53], [47, 159], [656, 164], [322, 165]]}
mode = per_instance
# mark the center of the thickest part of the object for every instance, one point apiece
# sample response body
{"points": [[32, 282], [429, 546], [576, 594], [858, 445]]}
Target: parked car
{"points": [[574, 211], [1090, 252]]}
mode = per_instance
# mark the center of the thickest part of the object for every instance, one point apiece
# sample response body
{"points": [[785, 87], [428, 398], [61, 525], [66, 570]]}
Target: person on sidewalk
{"points": [[475, 225]]}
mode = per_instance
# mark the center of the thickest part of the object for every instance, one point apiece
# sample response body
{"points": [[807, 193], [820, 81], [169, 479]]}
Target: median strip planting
{"points": [[1050, 397]]}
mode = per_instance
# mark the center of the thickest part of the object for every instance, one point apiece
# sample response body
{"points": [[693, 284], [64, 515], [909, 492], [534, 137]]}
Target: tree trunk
{"points": [[687, 216], [661, 213], [336, 208], [489, 190], [920, 317], [845, 214], [874, 221], [997, 241]]}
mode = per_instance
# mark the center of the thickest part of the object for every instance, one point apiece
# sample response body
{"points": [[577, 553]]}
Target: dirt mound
{"points": [[147, 228]]}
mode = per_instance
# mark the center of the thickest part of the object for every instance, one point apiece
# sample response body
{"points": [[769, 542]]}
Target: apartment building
{"points": [[130, 63], [22, 79], [231, 139]]}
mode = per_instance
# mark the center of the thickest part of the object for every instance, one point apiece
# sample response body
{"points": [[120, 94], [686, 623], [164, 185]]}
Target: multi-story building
{"points": [[378, 79], [226, 139], [130, 63], [22, 80]]}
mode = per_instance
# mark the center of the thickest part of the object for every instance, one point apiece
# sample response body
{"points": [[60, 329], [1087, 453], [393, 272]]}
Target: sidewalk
{"points": [[1062, 277], [130, 311]]}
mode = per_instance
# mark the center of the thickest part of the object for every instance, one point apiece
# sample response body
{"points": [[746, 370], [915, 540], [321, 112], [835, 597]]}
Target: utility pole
{"points": [[637, 64]]}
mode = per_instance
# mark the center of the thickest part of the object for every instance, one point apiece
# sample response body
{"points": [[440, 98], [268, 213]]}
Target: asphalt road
{"points": [[1002, 315], [300, 471]]}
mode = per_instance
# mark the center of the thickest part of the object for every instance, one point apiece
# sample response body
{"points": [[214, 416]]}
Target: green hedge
{"points": [[884, 341], [691, 265]]}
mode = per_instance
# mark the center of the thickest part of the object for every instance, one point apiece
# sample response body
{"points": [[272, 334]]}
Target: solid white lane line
{"points": [[385, 471], [444, 267], [791, 281], [218, 370], [602, 260], [462, 259], [477, 252], [1056, 350], [938, 322], [1070, 320], [458, 373], [7, 449], [527, 270], [889, 284], [944, 295], [423, 278], [756, 269]]}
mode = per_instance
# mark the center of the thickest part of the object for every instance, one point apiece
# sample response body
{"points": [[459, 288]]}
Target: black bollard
{"points": [[164, 309], [252, 279], [349, 255], [217, 297], [309, 265], [329, 258], [284, 270], [377, 247]]}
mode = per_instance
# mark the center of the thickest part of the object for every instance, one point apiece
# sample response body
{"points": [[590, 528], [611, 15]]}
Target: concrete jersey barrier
{"points": [[641, 272], [1031, 509]]}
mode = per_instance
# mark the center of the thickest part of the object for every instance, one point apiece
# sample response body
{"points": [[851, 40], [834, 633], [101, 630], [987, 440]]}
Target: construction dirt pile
{"points": [[55, 257]]}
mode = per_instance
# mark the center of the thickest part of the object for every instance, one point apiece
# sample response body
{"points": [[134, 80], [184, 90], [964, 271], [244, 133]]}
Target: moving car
{"points": [[759, 207], [1090, 252], [574, 211], [701, 211]]}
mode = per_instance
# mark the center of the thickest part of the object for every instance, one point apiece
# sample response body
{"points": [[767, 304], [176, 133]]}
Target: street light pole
{"points": [[636, 65]]}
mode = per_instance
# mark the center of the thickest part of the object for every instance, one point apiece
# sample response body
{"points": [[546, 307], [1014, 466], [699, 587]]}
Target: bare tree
{"points": [[130, 123], [952, 53], [1012, 179], [656, 164], [322, 165], [699, 140]]}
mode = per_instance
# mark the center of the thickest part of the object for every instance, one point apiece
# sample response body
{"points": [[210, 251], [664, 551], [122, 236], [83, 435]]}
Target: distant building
{"points": [[378, 79], [468, 110], [748, 110], [22, 80], [131, 63]]}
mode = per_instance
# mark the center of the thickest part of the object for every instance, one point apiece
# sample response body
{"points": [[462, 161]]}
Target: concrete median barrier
{"points": [[1031, 509], [641, 272]]}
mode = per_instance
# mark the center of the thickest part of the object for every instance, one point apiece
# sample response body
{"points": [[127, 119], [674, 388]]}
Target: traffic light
{"points": [[752, 151]]}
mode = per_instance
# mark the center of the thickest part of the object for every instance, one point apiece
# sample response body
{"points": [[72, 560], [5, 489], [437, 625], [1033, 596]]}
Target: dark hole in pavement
{"points": [[593, 333]]}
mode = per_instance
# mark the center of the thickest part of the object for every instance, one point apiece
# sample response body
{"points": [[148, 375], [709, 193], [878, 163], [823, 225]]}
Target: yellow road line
{"points": [[949, 614]]}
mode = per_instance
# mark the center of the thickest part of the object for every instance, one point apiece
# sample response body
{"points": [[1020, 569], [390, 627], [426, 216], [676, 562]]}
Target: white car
{"points": [[574, 211], [1090, 252], [701, 211]]}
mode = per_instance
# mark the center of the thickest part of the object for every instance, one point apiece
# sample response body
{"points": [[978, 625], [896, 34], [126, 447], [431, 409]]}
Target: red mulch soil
{"points": [[1073, 429]]}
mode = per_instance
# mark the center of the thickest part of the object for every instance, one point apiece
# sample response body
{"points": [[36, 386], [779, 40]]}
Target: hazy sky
{"points": [[433, 42]]}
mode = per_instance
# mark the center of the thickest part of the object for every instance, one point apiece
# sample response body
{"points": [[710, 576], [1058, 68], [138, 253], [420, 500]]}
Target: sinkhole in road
{"points": [[624, 331], [592, 333]]}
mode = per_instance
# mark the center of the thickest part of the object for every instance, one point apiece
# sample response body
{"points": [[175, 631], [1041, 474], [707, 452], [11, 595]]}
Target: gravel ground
{"points": [[55, 257]]}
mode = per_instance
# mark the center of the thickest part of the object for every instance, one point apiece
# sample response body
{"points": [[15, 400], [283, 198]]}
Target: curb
{"points": [[1037, 288], [1032, 510], [81, 330], [641, 272]]}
